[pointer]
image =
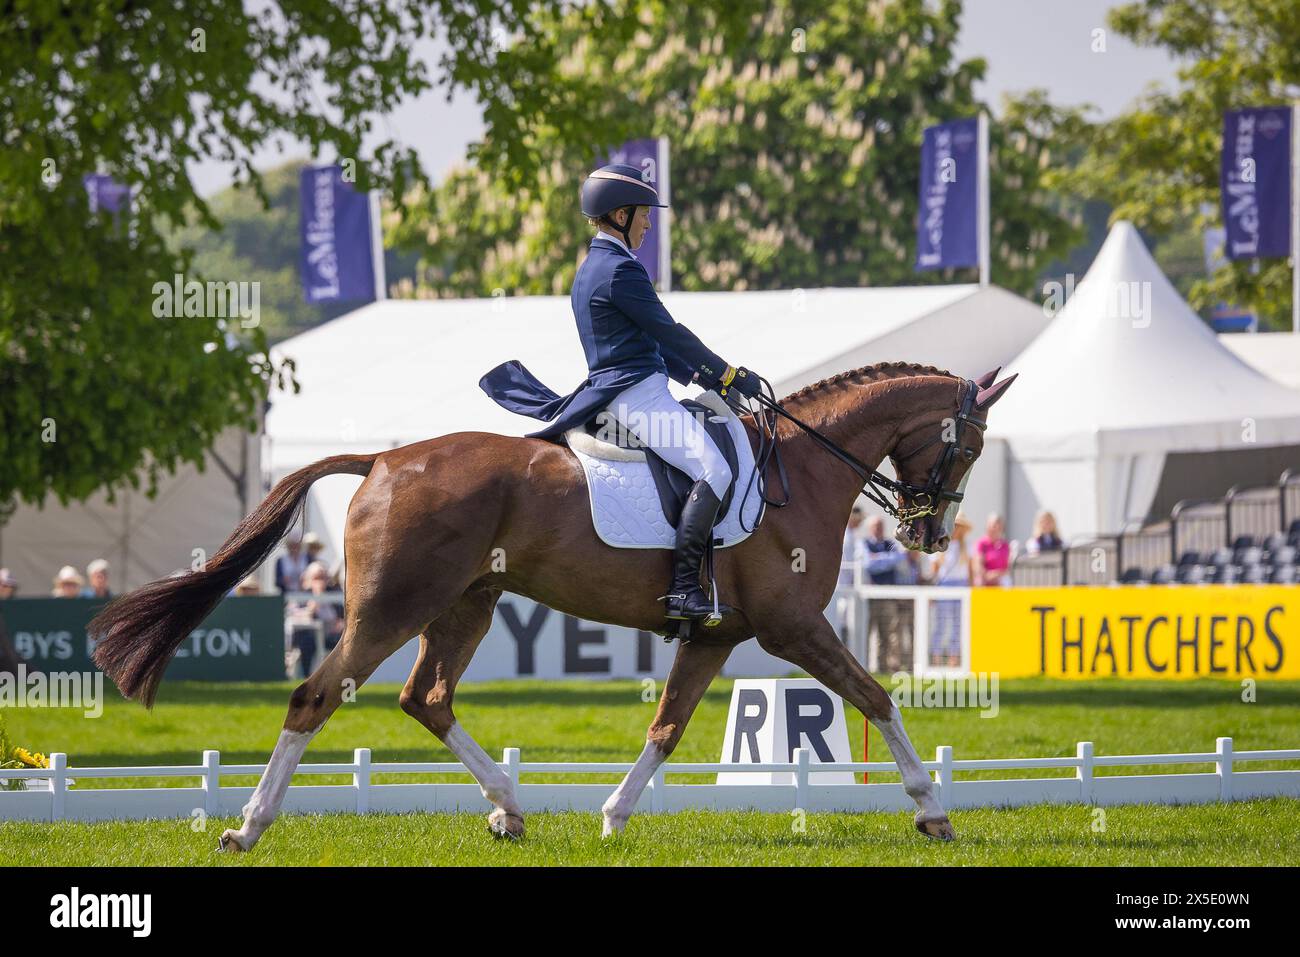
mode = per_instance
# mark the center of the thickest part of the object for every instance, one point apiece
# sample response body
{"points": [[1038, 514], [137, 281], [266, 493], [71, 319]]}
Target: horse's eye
{"points": [[969, 453]]}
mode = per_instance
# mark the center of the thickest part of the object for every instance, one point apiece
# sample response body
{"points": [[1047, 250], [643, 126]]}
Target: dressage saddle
{"points": [[672, 484]]}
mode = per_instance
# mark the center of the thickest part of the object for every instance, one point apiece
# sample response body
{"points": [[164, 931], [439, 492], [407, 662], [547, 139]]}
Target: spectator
{"points": [[1045, 537], [8, 584], [992, 555], [849, 551], [309, 619], [97, 572], [67, 583], [290, 566], [314, 547], [881, 555], [953, 567], [248, 587]]}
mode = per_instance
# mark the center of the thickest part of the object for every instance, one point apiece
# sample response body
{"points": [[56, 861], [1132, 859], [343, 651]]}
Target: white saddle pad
{"points": [[625, 504]]}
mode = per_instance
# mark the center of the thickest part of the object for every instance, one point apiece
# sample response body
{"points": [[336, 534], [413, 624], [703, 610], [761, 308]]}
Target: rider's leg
{"points": [[649, 412]]}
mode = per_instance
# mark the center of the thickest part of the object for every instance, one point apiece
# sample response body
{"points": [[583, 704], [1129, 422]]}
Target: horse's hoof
{"points": [[230, 843], [503, 824], [938, 828]]}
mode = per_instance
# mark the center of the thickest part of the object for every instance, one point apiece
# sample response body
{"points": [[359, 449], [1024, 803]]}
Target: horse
{"points": [[440, 528]]}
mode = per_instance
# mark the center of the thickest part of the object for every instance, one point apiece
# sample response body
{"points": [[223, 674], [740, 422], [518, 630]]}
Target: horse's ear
{"points": [[990, 394], [988, 378]]}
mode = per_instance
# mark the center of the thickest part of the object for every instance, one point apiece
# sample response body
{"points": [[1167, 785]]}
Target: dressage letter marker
{"points": [[770, 718]]}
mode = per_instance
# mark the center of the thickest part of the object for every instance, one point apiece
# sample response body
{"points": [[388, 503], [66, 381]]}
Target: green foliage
{"points": [[95, 390], [1158, 164], [795, 131]]}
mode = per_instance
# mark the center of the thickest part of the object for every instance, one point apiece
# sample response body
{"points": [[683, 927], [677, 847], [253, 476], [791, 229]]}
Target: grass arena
{"points": [[602, 721]]}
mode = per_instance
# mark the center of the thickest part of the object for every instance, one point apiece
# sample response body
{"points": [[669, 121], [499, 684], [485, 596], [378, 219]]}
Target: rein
{"points": [[875, 486]]}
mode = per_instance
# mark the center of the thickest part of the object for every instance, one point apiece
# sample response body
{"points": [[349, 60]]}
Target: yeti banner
{"points": [[335, 230], [1255, 182], [948, 219]]}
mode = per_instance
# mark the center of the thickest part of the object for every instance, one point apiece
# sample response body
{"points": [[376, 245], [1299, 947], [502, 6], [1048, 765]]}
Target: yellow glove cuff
{"points": [[728, 376]]}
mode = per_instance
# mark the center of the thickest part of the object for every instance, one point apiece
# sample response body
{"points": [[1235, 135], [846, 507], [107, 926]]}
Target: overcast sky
{"points": [[1027, 43]]}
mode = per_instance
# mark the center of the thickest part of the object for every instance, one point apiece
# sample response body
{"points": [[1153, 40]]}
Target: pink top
{"points": [[995, 556]]}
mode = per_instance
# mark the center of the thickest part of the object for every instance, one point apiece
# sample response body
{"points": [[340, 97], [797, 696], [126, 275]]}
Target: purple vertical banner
{"points": [[1255, 182], [335, 256], [106, 194], [947, 223], [644, 155]]}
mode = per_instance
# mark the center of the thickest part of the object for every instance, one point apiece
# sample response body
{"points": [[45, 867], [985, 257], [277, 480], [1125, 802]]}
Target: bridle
{"points": [[919, 500]]}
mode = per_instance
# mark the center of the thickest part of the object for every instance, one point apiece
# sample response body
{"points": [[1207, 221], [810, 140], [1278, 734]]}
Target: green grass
{"points": [[1248, 833], [606, 721]]}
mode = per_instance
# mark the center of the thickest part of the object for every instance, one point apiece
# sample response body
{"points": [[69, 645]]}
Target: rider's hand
{"points": [[746, 382]]}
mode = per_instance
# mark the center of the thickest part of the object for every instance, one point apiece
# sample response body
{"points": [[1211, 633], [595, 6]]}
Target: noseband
{"points": [[919, 500]]}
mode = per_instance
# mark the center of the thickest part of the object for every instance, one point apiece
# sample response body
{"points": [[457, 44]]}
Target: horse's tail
{"points": [[139, 632]]}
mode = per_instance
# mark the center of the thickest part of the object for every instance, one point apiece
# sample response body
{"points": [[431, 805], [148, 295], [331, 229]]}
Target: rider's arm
{"points": [[631, 291]]}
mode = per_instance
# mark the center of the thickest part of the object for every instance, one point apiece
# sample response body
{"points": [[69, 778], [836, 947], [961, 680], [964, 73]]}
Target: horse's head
{"points": [[933, 461]]}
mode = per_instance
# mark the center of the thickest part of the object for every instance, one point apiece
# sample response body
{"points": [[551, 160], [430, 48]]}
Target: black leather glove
{"points": [[746, 383]]}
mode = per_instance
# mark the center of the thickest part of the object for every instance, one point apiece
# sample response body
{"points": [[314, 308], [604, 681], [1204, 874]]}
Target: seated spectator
{"points": [[992, 555], [97, 572], [249, 586], [1045, 537], [307, 619], [953, 567], [849, 551], [67, 583], [290, 566], [8, 584], [881, 556]]}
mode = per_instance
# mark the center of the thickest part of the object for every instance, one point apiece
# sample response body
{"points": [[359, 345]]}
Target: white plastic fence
{"points": [[56, 800]]}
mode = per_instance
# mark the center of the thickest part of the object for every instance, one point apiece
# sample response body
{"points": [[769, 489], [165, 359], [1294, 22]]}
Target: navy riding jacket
{"points": [[627, 336]]}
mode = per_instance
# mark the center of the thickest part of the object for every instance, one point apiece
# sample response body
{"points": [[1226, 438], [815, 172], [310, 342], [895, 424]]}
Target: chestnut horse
{"points": [[439, 529]]}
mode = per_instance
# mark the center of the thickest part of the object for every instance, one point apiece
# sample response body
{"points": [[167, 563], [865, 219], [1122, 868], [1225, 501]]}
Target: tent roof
{"points": [[1127, 366], [399, 371], [1276, 354]]}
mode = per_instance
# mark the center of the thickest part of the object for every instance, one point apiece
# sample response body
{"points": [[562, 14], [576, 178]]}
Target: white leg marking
{"points": [[619, 807], [265, 803], [916, 782], [495, 783]]}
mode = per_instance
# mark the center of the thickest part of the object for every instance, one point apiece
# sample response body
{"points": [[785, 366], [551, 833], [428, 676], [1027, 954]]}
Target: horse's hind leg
{"points": [[359, 652], [446, 648], [813, 645]]}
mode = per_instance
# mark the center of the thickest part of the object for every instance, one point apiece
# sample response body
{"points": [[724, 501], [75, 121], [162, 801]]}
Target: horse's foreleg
{"points": [[693, 671], [446, 648], [814, 647], [351, 662]]}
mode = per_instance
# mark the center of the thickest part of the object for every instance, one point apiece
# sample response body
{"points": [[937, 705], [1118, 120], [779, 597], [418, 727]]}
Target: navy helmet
{"points": [[614, 187]]}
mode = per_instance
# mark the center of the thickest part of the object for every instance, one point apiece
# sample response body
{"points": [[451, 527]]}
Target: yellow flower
{"points": [[36, 760]]}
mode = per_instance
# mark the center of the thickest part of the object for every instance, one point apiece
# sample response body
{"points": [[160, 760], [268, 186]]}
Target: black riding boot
{"points": [[686, 599]]}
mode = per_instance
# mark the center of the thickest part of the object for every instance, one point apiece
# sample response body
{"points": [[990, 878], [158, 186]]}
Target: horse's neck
{"points": [[867, 423]]}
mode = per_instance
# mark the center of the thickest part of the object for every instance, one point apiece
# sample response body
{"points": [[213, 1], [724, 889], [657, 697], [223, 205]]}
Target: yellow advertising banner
{"points": [[1192, 631]]}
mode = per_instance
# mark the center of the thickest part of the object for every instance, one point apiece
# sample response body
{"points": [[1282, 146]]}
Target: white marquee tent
{"points": [[400, 371], [1124, 379]]}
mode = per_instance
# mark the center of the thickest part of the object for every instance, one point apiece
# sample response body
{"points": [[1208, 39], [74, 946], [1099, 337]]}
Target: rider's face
{"points": [[640, 225]]}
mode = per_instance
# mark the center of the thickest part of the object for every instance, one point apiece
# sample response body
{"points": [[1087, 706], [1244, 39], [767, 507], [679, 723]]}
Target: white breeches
{"points": [[649, 411]]}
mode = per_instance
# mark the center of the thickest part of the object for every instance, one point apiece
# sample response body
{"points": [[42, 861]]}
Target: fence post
{"points": [[943, 754], [1224, 768], [510, 758], [657, 791], [1083, 751], [58, 784], [802, 758], [361, 778], [211, 783]]}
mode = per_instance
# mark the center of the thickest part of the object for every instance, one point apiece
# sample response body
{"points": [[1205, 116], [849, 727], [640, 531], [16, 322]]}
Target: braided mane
{"points": [[872, 373]]}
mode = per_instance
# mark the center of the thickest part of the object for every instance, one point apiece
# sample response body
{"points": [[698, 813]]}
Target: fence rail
{"points": [[56, 798]]}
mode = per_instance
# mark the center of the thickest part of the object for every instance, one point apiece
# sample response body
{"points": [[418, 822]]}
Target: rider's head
{"points": [[616, 198]]}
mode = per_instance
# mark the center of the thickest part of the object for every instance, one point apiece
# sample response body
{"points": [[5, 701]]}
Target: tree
{"points": [[96, 389], [1158, 164], [795, 131]]}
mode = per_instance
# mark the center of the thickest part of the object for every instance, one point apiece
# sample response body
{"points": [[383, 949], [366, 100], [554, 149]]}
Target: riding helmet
{"points": [[615, 186]]}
